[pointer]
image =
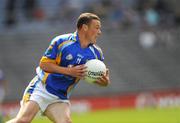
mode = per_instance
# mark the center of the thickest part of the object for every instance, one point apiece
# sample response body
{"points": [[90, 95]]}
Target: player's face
{"points": [[94, 30]]}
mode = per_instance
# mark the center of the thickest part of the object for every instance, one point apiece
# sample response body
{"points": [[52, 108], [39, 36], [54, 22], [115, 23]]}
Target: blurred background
{"points": [[140, 41]]}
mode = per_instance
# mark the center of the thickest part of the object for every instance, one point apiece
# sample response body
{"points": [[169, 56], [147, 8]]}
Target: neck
{"points": [[83, 39]]}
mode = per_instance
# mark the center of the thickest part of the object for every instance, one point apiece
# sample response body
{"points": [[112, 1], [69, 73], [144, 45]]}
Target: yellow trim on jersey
{"points": [[65, 42], [56, 61], [45, 77], [58, 58], [46, 59], [51, 46]]}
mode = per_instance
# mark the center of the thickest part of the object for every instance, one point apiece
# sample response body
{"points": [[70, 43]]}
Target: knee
{"points": [[68, 120], [65, 120]]}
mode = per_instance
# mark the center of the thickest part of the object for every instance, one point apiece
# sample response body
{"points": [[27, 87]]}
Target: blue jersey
{"points": [[65, 50]]}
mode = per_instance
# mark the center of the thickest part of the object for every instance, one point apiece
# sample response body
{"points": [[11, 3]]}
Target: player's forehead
{"points": [[95, 22]]}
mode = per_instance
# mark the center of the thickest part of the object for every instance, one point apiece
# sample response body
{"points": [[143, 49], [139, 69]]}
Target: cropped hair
{"points": [[86, 18]]}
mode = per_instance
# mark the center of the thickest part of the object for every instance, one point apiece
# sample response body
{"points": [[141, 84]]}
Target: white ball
{"points": [[95, 70]]}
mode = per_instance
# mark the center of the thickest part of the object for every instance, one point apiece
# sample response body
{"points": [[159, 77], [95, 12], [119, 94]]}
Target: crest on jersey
{"points": [[69, 57]]}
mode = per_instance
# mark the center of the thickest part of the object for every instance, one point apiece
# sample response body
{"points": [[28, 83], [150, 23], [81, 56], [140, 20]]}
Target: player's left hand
{"points": [[104, 80]]}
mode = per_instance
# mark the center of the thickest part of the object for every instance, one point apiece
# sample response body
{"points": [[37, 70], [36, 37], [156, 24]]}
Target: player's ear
{"points": [[85, 27]]}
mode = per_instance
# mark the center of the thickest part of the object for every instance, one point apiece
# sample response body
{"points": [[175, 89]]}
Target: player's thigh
{"points": [[59, 112], [28, 111]]}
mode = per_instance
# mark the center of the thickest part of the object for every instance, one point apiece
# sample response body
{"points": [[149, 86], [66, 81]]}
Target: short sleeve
{"points": [[51, 52]]}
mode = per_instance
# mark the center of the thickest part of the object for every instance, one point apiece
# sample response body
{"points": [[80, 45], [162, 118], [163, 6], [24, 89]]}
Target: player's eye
{"points": [[97, 27]]}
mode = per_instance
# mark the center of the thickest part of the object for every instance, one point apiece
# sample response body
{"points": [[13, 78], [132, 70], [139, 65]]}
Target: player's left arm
{"points": [[104, 80]]}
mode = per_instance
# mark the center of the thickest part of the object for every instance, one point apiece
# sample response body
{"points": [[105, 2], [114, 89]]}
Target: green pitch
{"points": [[151, 115]]}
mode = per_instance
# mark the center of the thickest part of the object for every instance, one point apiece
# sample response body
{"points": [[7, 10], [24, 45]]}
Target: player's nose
{"points": [[99, 32]]}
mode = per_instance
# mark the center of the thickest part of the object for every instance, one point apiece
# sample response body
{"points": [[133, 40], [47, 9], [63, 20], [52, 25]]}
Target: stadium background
{"points": [[140, 41]]}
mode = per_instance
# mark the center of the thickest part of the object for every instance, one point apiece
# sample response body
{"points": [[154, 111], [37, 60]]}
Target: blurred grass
{"points": [[149, 115]]}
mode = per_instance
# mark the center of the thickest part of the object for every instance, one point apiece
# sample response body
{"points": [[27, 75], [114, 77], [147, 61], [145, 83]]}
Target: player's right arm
{"points": [[76, 71]]}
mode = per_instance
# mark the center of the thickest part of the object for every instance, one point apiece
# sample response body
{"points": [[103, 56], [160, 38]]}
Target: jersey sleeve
{"points": [[51, 52], [99, 52]]}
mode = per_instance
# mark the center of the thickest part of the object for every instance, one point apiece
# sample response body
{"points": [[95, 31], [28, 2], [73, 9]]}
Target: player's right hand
{"points": [[77, 71]]}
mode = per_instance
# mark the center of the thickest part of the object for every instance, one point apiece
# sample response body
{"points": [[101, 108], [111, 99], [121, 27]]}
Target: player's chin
{"points": [[94, 41]]}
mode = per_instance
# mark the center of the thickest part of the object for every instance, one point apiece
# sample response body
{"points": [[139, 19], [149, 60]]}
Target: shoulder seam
{"points": [[64, 42]]}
